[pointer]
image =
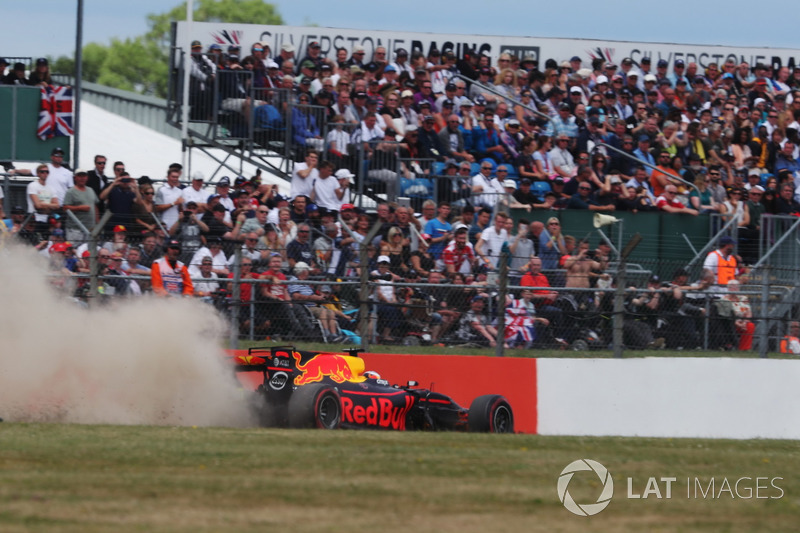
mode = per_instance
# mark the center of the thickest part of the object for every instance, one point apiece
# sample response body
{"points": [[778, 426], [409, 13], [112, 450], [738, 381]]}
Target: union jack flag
{"points": [[55, 118]]}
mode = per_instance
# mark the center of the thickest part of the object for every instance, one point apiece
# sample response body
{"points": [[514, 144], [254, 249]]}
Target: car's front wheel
{"points": [[491, 413]]}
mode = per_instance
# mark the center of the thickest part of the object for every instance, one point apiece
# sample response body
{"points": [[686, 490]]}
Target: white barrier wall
{"points": [[670, 397]]}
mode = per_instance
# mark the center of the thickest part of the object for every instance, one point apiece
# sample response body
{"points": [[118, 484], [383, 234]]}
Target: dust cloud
{"points": [[146, 361]]}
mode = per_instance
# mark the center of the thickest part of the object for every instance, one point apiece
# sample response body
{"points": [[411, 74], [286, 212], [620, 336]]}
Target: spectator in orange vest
{"points": [[791, 343], [722, 261]]}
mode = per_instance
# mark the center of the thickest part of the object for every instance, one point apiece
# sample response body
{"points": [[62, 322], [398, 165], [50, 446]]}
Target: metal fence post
{"points": [[501, 302], [764, 341], [236, 298], [619, 310]]}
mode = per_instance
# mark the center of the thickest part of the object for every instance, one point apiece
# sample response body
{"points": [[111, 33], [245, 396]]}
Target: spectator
{"points": [[304, 175], [521, 320], [304, 295], [169, 276], [169, 199], [492, 240], [474, 325], [389, 315], [41, 199], [790, 343], [208, 283], [451, 140], [743, 315], [484, 194], [187, 230], [299, 250], [440, 230], [669, 204], [722, 262], [485, 139], [551, 244]]}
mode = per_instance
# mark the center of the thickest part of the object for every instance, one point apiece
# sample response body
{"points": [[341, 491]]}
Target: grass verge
{"points": [[128, 478]]}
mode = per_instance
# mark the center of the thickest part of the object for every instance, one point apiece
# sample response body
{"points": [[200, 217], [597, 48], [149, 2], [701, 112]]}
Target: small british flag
{"points": [[55, 118]]}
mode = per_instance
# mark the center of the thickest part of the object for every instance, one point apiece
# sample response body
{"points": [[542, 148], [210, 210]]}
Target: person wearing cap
{"points": [[722, 261], [196, 192], [286, 54], [389, 315], [401, 63], [15, 76], [60, 179], [313, 54], [202, 74], [170, 277], [474, 326], [40, 76], [484, 80], [82, 201], [407, 112]]}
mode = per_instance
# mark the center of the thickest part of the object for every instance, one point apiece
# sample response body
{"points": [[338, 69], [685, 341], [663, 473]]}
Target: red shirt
{"points": [[452, 255], [245, 289], [275, 289], [661, 202], [537, 280]]}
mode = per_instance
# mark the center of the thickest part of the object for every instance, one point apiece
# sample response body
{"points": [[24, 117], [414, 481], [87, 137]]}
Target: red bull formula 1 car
{"points": [[333, 390]]}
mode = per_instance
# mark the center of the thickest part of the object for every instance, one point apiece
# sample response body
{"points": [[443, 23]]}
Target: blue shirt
{"points": [[436, 228]]}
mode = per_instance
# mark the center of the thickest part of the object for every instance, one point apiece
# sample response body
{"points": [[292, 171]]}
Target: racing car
{"points": [[325, 390]]}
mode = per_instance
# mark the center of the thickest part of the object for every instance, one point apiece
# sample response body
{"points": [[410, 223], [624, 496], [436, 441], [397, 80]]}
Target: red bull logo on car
{"points": [[339, 368], [380, 412]]}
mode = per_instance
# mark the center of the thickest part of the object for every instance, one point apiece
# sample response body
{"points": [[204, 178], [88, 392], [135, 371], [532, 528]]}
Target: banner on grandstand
{"points": [[55, 117], [542, 48]]}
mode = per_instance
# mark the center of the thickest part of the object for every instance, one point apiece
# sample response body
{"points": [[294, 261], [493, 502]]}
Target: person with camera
{"points": [[120, 196], [188, 231]]}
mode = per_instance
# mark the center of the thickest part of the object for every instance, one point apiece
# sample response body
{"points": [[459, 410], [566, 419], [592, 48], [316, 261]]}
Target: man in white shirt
{"points": [[41, 199], [491, 241], [196, 193], [219, 263], [60, 179], [304, 175], [483, 193], [169, 198], [327, 193]]}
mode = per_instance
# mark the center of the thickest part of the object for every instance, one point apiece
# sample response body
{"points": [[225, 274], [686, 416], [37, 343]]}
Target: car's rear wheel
{"points": [[315, 406], [491, 413]]}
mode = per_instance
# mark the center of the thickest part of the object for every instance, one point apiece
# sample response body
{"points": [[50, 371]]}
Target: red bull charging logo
{"points": [[339, 368]]}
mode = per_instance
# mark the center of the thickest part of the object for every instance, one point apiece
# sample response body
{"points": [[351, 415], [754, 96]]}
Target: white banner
{"points": [[542, 48]]}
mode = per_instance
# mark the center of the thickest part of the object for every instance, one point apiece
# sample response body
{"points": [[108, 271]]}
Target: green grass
{"points": [[75, 478]]}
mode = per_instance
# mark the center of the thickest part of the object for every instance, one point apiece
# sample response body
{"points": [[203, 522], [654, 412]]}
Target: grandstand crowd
{"points": [[723, 139]]}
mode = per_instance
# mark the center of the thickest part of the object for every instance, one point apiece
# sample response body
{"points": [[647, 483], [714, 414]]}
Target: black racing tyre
{"points": [[491, 413], [315, 406]]}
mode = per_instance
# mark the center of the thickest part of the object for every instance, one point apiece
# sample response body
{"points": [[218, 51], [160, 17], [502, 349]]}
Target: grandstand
{"points": [[258, 121]]}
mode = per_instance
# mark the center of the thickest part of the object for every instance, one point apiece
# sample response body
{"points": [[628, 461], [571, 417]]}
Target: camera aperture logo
{"points": [[586, 509]]}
